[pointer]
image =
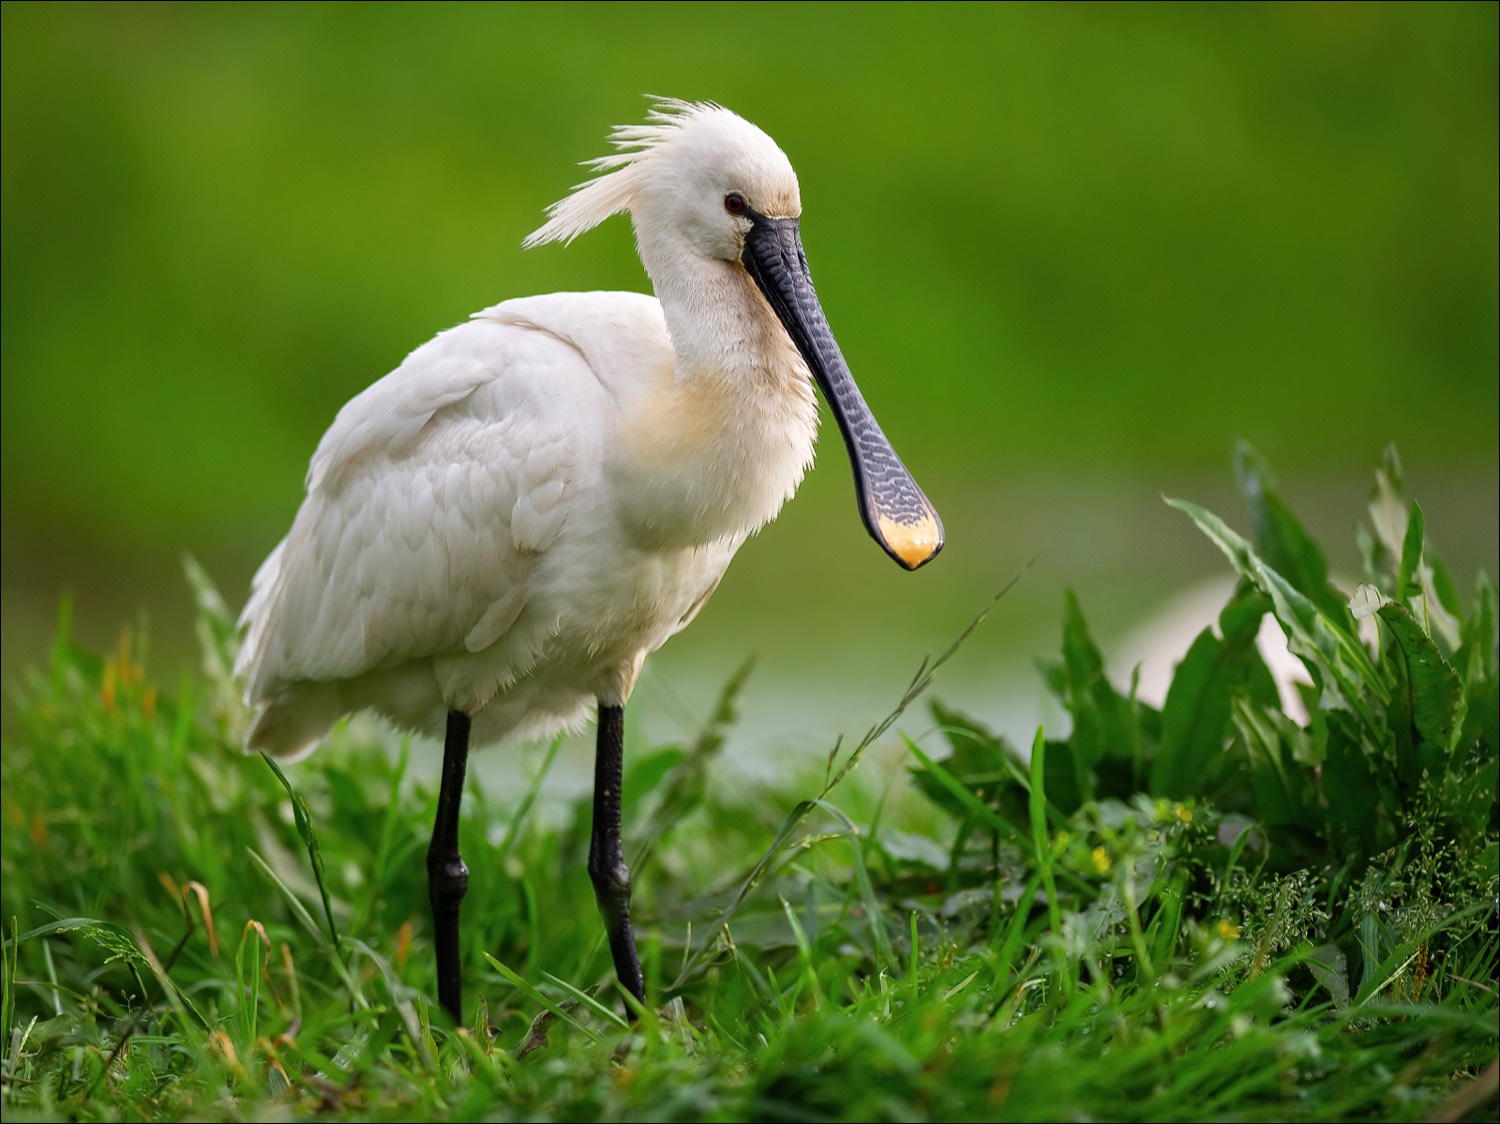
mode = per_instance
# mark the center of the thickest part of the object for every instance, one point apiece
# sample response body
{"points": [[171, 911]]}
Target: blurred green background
{"points": [[1071, 252]]}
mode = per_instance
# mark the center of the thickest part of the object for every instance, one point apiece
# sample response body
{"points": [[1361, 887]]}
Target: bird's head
{"points": [[695, 173]]}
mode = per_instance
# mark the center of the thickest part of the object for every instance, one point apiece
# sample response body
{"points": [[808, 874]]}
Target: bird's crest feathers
{"points": [[595, 200]]}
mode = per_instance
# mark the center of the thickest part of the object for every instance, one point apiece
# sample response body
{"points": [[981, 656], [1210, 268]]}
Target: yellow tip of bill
{"points": [[912, 543]]}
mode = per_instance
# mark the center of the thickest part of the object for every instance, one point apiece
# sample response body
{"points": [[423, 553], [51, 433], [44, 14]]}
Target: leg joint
{"points": [[611, 880], [447, 878]]}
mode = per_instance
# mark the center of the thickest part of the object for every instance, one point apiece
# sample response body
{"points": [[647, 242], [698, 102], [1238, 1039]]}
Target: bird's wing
{"points": [[430, 501]]}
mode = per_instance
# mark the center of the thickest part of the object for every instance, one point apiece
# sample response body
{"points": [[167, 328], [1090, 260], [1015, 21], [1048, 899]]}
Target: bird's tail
{"points": [[292, 722]]}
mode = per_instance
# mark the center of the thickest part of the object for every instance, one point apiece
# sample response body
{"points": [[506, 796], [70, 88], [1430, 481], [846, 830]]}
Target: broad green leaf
{"points": [[1436, 696], [1063, 776], [913, 849], [966, 799], [1409, 576], [1279, 536], [1425, 587], [1334, 655], [962, 730], [988, 766], [1283, 787], [1399, 557], [1195, 717], [1104, 722], [1352, 790]]}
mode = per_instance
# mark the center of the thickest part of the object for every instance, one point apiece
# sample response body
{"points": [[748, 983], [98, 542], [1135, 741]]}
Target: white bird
{"points": [[498, 532]]}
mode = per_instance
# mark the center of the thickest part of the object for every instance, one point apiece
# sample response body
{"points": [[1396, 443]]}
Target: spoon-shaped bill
{"points": [[893, 508]]}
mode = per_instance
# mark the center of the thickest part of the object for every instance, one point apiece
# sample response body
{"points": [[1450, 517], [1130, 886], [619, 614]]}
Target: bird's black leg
{"points": [[447, 877], [606, 861]]}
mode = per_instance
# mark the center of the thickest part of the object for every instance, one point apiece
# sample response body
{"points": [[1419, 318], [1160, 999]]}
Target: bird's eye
{"points": [[734, 203]]}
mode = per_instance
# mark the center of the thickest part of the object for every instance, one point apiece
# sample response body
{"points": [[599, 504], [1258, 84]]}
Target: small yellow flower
{"points": [[1184, 813], [1101, 860], [1227, 929]]}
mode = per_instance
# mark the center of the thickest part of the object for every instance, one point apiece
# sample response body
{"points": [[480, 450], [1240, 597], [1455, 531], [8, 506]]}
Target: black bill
{"points": [[895, 511]]}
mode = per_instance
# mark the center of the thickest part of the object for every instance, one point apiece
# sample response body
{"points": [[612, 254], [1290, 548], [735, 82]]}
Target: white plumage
{"points": [[512, 519], [534, 500], [503, 528], [507, 523]]}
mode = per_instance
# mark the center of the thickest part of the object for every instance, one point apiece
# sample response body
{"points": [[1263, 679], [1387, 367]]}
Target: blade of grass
{"points": [[299, 911], [310, 840], [541, 1000]]}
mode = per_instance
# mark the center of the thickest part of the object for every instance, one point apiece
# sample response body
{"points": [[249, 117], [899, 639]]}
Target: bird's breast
{"points": [[699, 460]]}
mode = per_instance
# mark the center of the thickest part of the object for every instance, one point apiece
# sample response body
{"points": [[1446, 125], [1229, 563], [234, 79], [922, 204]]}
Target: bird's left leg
{"points": [[447, 876], [606, 860]]}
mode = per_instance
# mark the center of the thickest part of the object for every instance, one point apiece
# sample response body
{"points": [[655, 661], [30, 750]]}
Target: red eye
{"points": [[734, 203]]}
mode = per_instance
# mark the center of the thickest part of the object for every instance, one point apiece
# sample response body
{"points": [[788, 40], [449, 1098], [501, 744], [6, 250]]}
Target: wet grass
{"points": [[1207, 911]]}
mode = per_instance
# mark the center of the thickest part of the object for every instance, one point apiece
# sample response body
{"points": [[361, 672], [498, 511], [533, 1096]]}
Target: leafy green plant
{"points": [[1366, 835]]}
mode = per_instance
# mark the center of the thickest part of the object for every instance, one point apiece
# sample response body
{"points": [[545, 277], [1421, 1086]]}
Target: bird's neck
{"points": [[717, 449]]}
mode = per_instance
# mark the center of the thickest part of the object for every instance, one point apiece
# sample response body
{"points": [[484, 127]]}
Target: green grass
{"points": [[1201, 912]]}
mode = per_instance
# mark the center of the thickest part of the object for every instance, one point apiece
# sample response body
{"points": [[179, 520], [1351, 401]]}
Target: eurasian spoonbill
{"points": [[498, 532]]}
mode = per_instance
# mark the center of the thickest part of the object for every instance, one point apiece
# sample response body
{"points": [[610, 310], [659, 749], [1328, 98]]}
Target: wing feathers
{"points": [[422, 523], [417, 575]]}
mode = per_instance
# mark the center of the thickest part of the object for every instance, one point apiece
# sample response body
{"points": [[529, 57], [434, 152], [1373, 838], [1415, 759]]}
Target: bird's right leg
{"points": [[607, 869], [447, 876]]}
